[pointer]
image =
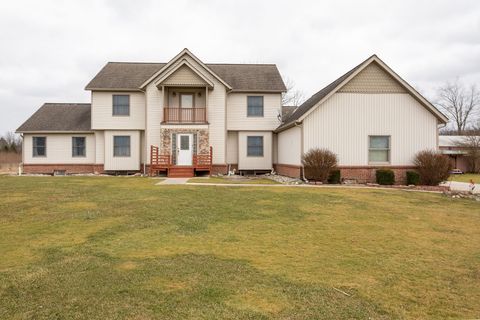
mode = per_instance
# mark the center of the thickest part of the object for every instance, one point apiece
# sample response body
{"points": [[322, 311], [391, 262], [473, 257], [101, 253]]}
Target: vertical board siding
{"points": [[289, 146], [122, 163], [343, 123], [237, 112], [255, 163], [232, 147], [102, 117], [59, 149]]}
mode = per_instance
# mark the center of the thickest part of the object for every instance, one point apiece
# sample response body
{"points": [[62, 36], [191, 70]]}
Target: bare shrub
{"points": [[432, 166], [318, 163]]}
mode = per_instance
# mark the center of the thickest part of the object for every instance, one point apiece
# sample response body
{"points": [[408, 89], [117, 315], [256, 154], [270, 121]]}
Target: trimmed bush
{"points": [[432, 166], [318, 163], [385, 177], [334, 177], [413, 178]]}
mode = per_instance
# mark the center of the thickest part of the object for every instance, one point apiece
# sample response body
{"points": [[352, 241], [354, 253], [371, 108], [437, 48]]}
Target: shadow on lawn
{"points": [[82, 285]]}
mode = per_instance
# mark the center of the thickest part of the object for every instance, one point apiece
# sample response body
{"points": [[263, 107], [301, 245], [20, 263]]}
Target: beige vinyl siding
{"points": [[237, 112], [99, 147], [373, 79], [59, 149], [345, 121], [184, 76], [232, 147], [274, 148], [255, 163], [122, 163], [154, 98], [289, 146], [102, 106]]}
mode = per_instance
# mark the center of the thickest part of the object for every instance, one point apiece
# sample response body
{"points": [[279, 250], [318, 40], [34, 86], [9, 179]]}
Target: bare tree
{"points": [[471, 144], [12, 142], [292, 97], [461, 104]]}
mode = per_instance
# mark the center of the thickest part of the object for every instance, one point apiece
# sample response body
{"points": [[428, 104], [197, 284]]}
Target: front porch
{"points": [[167, 163]]}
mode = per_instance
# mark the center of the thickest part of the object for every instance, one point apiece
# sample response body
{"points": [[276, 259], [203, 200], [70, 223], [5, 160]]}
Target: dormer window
{"points": [[121, 105]]}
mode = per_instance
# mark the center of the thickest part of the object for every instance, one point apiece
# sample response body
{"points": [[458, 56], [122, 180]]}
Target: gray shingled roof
{"points": [[241, 77], [59, 117], [123, 75], [313, 100]]}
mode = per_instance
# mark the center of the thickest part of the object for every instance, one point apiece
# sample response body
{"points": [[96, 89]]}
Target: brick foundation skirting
{"points": [[69, 168], [219, 168], [288, 170], [361, 174]]}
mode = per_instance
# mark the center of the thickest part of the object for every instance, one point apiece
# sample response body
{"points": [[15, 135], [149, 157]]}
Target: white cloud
{"points": [[49, 49]]}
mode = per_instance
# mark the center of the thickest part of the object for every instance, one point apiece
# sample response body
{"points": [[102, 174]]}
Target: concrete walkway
{"points": [[461, 186], [173, 181]]}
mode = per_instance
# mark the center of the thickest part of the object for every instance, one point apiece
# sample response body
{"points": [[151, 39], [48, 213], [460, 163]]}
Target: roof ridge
{"points": [[136, 62], [242, 64]]}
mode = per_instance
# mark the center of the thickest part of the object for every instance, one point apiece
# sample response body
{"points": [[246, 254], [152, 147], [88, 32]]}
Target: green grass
{"points": [[465, 177], [123, 248], [251, 180]]}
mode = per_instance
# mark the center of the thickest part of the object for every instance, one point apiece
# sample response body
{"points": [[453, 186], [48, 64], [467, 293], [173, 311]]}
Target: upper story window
{"points": [[78, 146], [39, 145], [121, 105], [254, 106], [255, 146], [379, 149], [121, 146]]}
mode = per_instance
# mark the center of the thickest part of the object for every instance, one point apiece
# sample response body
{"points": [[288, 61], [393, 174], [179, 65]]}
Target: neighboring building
{"points": [[370, 117], [185, 116], [458, 154]]}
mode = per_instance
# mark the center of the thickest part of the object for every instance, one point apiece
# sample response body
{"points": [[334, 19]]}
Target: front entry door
{"points": [[185, 149]]}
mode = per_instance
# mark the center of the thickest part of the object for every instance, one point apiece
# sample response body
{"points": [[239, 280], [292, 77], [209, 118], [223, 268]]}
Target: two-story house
{"points": [[185, 117], [186, 111]]}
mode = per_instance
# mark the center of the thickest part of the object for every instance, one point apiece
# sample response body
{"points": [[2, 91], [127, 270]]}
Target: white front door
{"points": [[185, 149]]}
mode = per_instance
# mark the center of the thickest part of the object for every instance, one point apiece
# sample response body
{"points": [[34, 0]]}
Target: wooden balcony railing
{"points": [[184, 115]]}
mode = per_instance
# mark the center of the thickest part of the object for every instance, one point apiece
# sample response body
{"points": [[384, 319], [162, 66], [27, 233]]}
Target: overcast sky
{"points": [[49, 50]]}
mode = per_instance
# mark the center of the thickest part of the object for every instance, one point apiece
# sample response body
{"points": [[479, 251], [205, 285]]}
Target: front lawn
{"points": [[465, 177], [125, 248], [233, 180]]}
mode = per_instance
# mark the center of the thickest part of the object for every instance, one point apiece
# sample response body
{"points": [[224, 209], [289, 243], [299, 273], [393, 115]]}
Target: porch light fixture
{"points": [[174, 94], [199, 94]]}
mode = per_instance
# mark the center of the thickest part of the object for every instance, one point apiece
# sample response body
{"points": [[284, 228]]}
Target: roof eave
{"points": [[113, 89], [54, 131]]}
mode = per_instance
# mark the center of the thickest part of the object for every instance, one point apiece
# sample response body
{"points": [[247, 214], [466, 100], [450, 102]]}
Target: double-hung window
{"points": [[39, 145], [254, 146], [379, 149], [78, 147], [121, 105], [254, 106], [121, 146]]}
